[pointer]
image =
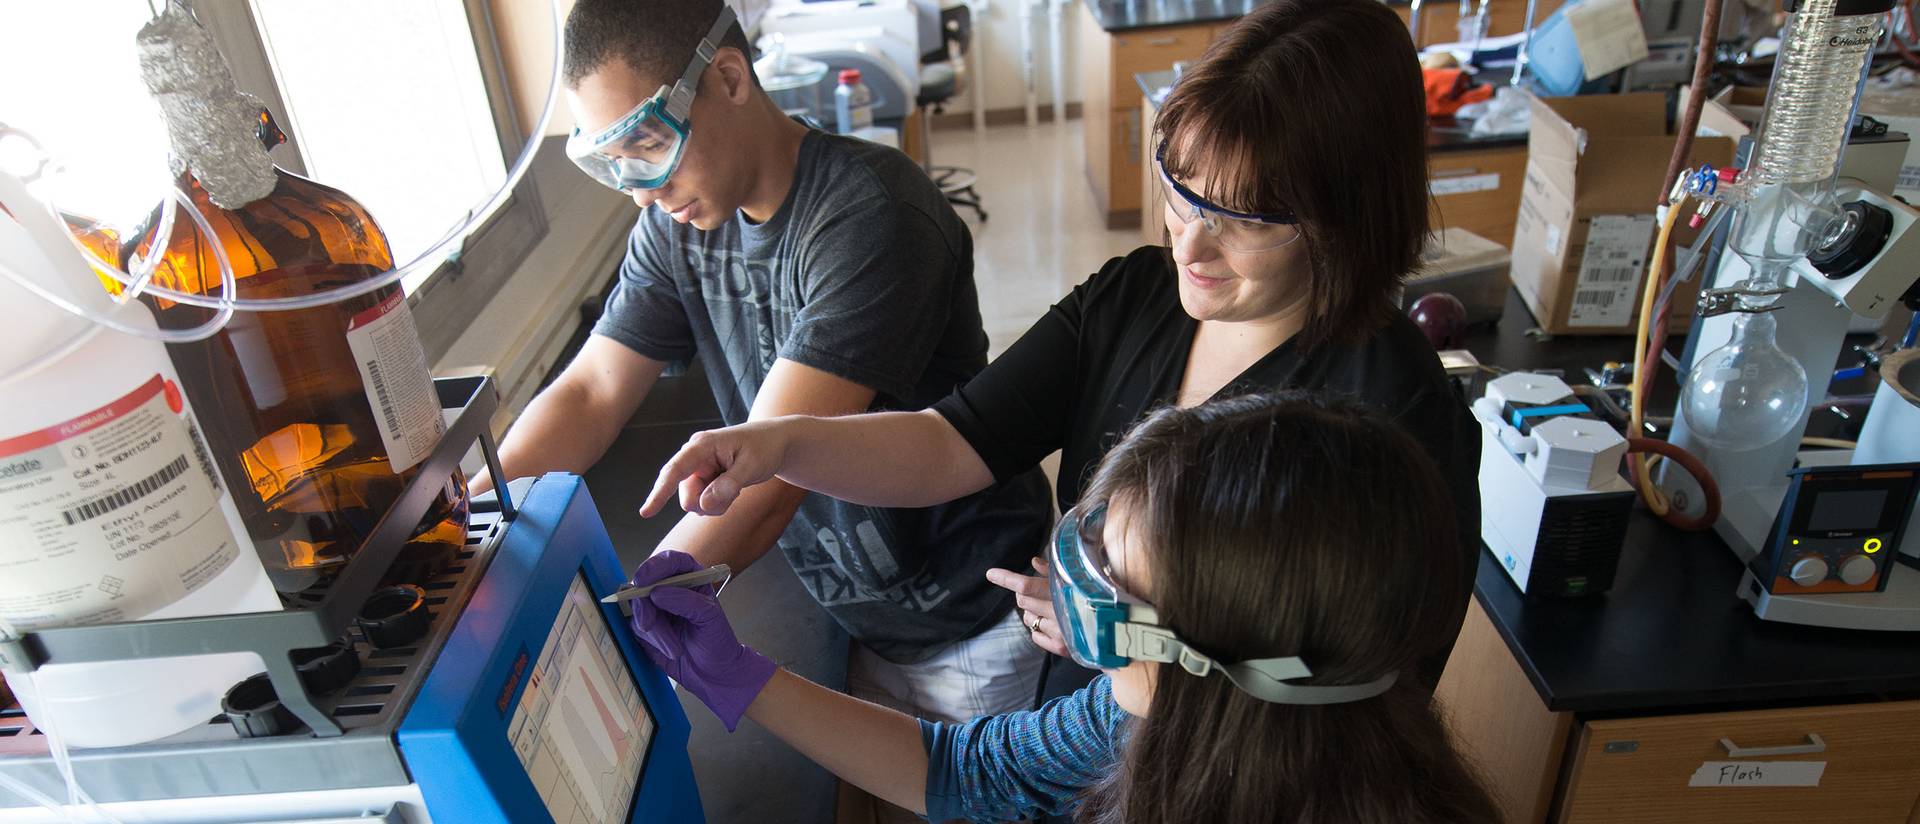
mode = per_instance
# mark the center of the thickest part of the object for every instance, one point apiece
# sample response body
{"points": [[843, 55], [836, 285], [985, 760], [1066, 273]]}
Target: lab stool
{"points": [[941, 78]]}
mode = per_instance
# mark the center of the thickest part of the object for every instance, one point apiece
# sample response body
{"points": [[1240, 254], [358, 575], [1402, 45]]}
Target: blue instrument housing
{"points": [[455, 738]]}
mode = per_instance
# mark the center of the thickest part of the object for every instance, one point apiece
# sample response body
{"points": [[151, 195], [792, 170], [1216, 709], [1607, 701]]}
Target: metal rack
{"points": [[469, 404]]}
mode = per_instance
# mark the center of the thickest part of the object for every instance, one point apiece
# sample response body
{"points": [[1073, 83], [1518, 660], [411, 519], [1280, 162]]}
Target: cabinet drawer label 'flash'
{"points": [[1758, 774]]}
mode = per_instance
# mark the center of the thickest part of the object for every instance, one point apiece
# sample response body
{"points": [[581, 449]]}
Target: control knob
{"points": [[1857, 570], [1808, 571]]}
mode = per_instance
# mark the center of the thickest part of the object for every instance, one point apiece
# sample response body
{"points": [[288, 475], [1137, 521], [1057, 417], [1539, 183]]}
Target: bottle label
{"points": [[393, 367], [110, 515], [862, 108]]}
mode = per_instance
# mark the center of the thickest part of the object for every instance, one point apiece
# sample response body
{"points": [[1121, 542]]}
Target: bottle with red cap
{"points": [[852, 103]]}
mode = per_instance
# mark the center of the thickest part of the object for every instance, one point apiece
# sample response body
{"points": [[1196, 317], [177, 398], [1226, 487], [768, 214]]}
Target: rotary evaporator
{"points": [[1822, 534], [1804, 244]]}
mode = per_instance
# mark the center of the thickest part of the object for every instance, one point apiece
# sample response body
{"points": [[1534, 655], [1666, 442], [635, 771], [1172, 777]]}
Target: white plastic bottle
{"points": [[852, 103], [109, 507]]}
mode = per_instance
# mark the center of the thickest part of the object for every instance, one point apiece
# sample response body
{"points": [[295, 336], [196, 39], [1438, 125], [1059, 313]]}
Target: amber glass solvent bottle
{"points": [[317, 417]]}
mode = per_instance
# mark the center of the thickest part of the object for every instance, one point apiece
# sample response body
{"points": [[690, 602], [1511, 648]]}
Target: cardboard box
{"points": [[1586, 225], [1745, 103], [1734, 112]]}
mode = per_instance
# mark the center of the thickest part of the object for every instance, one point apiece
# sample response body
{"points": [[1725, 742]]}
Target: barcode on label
{"points": [[1910, 177], [1610, 274], [1593, 300], [200, 455], [383, 399], [126, 495]]}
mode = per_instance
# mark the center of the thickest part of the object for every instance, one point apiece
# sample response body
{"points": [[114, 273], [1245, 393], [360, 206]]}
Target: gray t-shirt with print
{"points": [[866, 273]]}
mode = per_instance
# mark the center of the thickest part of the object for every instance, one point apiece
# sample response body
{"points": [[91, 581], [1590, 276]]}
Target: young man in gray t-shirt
{"points": [[815, 274]]}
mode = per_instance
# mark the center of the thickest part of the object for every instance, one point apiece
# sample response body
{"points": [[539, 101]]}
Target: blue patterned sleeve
{"points": [[1019, 765]]}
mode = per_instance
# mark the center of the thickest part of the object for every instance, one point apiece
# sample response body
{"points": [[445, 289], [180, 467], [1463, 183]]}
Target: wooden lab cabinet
{"points": [[1853, 762], [1117, 126], [1856, 763], [1440, 21], [1153, 215]]}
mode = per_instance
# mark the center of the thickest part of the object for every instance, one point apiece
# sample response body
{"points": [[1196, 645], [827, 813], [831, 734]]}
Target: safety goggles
{"points": [[643, 147], [1105, 628], [1238, 231]]}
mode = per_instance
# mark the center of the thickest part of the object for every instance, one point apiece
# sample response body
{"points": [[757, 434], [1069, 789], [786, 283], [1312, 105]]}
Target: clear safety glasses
{"points": [[1238, 231], [1105, 628], [641, 149]]}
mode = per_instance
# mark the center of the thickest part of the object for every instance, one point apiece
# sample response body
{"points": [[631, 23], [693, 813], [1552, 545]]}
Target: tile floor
{"points": [[1043, 235], [1042, 238]]}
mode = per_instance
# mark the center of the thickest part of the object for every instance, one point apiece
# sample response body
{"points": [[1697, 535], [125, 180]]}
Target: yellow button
{"points": [[1873, 545]]}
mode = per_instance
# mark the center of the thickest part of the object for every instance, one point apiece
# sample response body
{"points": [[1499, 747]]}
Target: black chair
{"points": [[942, 77]]}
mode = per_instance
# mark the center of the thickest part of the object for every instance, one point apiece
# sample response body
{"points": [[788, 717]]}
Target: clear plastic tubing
{"points": [[431, 257], [109, 320]]}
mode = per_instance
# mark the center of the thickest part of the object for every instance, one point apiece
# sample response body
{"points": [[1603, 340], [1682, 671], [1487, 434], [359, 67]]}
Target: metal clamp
{"points": [[1870, 357], [1610, 375], [1714, 302], [1815, 744]]}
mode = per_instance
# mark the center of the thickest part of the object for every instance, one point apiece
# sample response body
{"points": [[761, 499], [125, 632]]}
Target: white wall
{"points": [[525, 31], [526, 46], [1000, 29]]}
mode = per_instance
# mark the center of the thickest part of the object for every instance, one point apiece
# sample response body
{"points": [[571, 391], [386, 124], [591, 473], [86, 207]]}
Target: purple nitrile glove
{"points": [[686, 633]]}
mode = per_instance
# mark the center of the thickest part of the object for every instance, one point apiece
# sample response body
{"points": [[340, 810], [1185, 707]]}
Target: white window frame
{"points": [[457, 291]]}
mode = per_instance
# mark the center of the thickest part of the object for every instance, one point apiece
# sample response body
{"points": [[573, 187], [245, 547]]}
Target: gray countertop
{"points": [[1117, 16]]}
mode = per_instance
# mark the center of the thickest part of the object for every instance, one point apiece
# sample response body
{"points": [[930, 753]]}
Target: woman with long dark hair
{"points": [[1253, 576], [1293, 161]]}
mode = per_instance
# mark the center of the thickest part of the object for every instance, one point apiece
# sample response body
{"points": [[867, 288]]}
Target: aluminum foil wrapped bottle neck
{"points": [[212, 123]]}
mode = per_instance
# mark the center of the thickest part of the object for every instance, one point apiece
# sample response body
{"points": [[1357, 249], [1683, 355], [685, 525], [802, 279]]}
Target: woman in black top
{"points": [[1293, 162]]}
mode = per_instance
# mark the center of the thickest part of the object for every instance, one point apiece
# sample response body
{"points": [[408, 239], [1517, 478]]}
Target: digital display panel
{"points": [[1845, 511], [581, 729]]}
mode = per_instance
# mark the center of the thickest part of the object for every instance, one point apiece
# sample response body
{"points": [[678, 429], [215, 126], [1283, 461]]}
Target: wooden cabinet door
{"points": [[1153, 216], [1678, 768], [1499, 722], [1154, 50], [1129, 138]]}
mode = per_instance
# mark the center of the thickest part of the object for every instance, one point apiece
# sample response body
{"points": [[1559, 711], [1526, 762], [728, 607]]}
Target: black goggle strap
{"points": [[680, 98], [1263, 678]]}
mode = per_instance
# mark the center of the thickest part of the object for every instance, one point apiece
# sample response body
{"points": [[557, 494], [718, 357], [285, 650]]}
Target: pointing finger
{"points": [[670, 475]]}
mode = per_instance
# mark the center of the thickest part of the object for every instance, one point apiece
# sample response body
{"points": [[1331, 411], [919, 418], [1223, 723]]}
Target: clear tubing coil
{"points": [[1816, 82], [223, 310], [111, 319], [1785, 196]]}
